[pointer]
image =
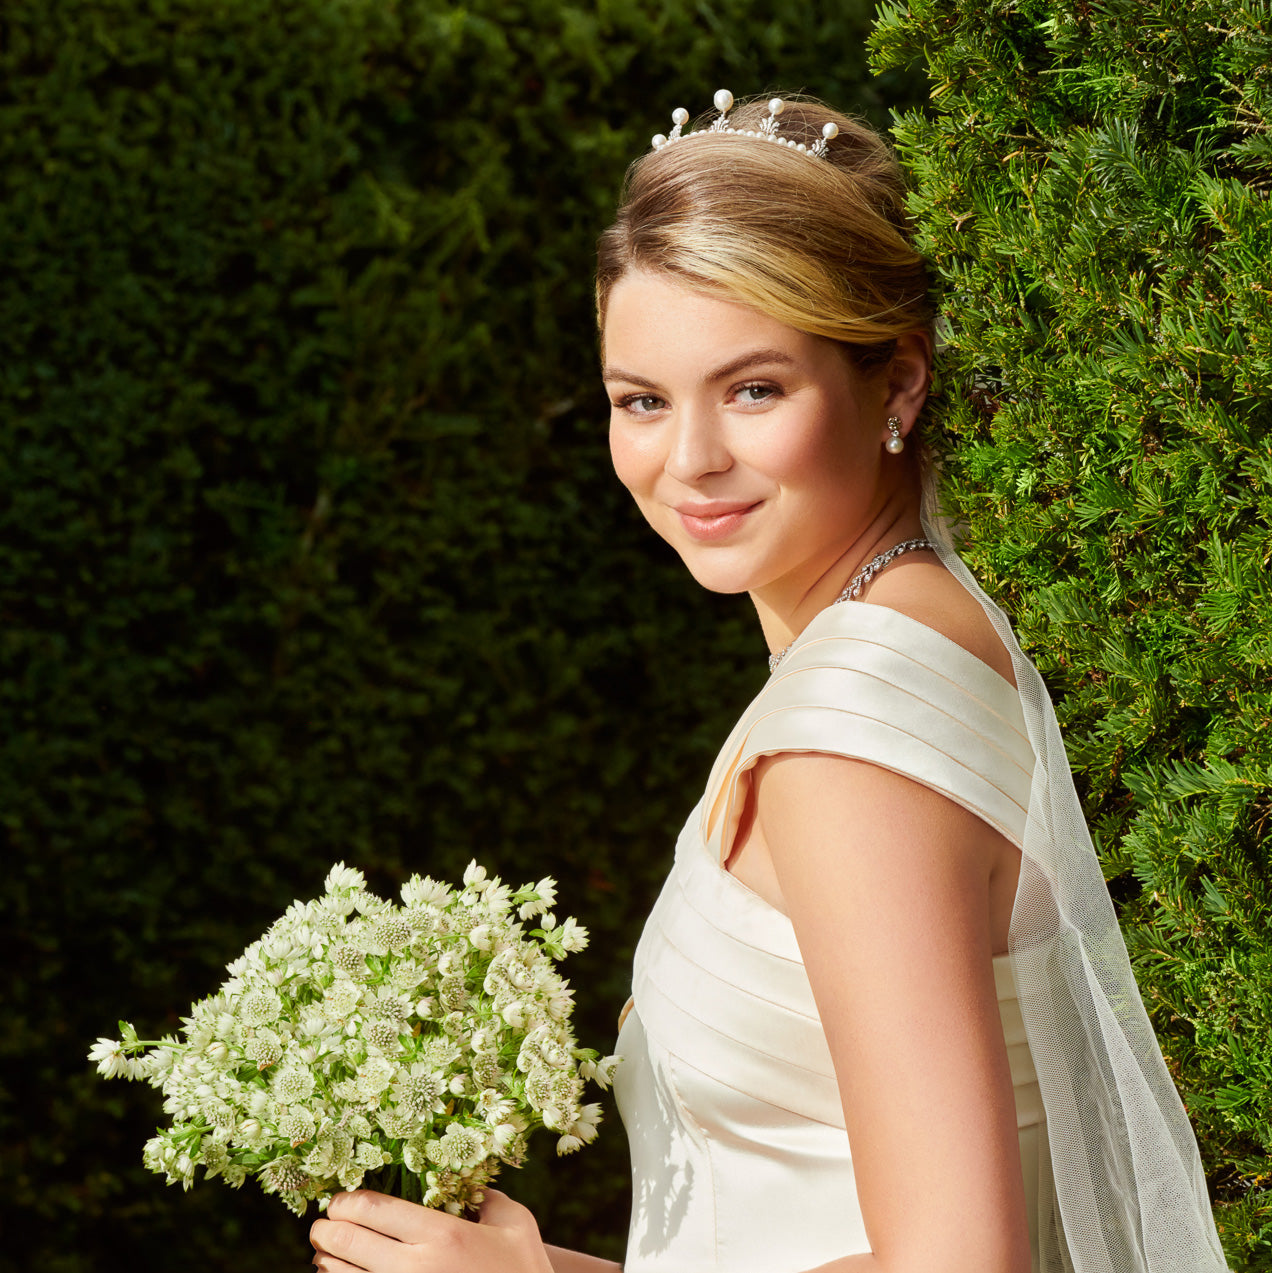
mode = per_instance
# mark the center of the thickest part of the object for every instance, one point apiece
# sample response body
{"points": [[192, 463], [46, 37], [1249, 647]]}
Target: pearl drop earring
{"points": [[896, 443]]}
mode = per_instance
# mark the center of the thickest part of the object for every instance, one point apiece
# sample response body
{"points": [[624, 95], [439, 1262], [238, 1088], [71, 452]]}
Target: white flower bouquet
{"points": [[412, 1048]]}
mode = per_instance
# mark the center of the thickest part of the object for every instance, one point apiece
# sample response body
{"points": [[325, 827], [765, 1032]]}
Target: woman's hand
{"points": [[366, 1232]]}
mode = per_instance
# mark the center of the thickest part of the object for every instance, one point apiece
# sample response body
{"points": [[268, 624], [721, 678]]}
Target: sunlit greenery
{"points": [[1093, 185]]}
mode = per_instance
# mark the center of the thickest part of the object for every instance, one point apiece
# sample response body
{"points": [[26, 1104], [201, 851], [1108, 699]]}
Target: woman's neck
{"points": [[787, 606]]}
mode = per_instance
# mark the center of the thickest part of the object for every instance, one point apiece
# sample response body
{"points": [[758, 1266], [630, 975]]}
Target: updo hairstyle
{"points": [[821, 244]]}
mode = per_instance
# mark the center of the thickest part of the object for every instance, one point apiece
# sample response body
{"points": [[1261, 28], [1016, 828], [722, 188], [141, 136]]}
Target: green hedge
{"points": [[308, 547], [1093, 184], [308, 544]]}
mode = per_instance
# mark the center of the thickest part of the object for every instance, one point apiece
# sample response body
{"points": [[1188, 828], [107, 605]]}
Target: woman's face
{"points": [[755, 450]]}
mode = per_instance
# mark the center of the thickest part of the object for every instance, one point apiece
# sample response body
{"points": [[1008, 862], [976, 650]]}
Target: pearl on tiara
{"points": [[830, 130], [767, 131]]}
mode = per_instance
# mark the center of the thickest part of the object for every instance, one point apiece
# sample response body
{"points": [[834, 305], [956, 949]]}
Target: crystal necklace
{"points": [[859, 581]]}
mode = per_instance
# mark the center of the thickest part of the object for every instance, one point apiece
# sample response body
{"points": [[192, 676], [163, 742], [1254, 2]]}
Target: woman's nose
{"points": [[696, 448]]}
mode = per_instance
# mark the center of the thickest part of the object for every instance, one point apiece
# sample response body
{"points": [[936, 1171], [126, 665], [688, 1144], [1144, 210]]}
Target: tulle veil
{"points": [[1130, 1194]]}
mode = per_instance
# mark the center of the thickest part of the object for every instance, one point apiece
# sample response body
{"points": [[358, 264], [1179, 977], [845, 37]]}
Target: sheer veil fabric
{"points": [[1128, 1175]]}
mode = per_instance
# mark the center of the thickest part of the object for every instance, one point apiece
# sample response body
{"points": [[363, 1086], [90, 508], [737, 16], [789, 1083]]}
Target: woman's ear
{"points": [[909, 374]]}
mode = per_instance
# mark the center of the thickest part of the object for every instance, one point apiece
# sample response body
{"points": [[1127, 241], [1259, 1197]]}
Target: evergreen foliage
{"points": [[308, 544], [1093, 185]]}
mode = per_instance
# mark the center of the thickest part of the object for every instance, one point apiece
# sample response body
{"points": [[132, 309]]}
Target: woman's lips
{"points": [[713, 521]]}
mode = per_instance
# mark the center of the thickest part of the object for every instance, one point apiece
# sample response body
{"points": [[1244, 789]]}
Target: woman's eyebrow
{"points": [[767, 357], [617, 373], [756, 357]]}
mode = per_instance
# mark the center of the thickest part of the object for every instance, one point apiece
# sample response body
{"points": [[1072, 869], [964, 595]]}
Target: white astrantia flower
{"points": [[329, 1156], [108, 1056], [497, 897], [349, 960], [340, 999], [458, 1147], [373, 1078], [384, 1035], [397, 1125], [574, 936], [343, 877], [392, 932], [408, 978], [554, 1118], [538, 1087], [536, 899], [259, 1006], [385, 1001], [600, 1072], [297, 1126], [585, 1125], [293, 1083], [418, 1091], [484, 1040], [437, 1052], [414, 1154], [514, 1014], [249, 1131], [264, 1047], [425, 891], [423, 920], [358, 1036], [452, 994], [482, 937], [366, 903], [221, 1117]]}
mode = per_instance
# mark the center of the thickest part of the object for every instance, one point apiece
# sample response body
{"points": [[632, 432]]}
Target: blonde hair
{"points": [[823, 245], [820, 245]]}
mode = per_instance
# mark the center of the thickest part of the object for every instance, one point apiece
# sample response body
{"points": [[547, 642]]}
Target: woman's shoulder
{"points": [[924, 633], [929, 594], [915, 680]]}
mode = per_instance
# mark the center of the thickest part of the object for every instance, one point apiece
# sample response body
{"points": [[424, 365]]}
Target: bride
{"points": [[883, 1020]]}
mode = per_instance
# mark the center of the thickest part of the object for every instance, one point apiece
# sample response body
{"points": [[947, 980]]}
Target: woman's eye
{"points": [[640, 403], [752, 394]]}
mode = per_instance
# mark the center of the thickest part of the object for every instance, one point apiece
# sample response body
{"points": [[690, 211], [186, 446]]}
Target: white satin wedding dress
{"points": [[740, 1159]]}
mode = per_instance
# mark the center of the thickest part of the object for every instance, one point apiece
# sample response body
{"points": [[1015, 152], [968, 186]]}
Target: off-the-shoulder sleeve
{"points": [[870, 683]]}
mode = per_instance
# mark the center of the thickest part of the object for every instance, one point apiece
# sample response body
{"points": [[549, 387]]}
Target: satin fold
{"points": [[740, 1158]]}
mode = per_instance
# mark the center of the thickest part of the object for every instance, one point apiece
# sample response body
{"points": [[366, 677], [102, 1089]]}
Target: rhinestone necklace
{"points": [[859, 581]]}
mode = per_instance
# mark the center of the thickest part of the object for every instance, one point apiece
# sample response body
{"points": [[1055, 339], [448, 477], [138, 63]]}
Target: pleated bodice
{"points": [[740, 1156]]}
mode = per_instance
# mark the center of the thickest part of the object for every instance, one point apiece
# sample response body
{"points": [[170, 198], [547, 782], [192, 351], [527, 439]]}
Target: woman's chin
{"points": [[725, 568], [717, 578]]}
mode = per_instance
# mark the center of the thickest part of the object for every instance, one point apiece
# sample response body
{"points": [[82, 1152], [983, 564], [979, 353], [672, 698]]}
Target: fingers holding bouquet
{"points": [[367, 1232]]}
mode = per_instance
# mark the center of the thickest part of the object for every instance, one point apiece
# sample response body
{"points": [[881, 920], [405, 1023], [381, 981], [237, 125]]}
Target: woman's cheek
{"points": [[638, 466], [634, 465]]}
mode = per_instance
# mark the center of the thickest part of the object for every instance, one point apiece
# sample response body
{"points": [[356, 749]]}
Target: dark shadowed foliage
{"points": [[308, 544]]}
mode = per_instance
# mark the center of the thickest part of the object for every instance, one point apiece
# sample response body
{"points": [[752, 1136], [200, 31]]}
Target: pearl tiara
{"points": [[767, 130]]}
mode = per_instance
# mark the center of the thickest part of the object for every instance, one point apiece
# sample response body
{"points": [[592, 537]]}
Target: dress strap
{"points": [[870, 683]]}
